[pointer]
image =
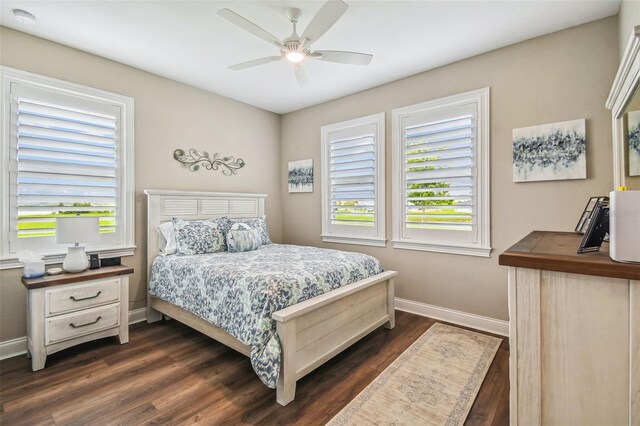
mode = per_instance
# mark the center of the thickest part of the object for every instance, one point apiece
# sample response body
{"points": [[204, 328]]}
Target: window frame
{"points": [[330, 233], [9, 76], [480, 173]]}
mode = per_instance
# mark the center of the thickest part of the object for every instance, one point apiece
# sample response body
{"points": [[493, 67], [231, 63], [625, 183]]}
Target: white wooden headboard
{"points": [[164, 205]]}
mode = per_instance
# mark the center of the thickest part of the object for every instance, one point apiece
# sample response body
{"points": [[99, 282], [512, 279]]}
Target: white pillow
{"points": [[167, 240]]}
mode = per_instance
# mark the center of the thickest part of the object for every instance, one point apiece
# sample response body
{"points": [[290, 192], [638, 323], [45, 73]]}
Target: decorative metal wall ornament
{"points": [[194, 159]]}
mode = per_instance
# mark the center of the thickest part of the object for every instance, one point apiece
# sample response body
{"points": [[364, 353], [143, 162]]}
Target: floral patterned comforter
{"points": [[239, 292]]}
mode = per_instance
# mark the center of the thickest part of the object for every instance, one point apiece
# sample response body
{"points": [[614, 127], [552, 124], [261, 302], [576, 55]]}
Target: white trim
{"points": [[191, 194], [624, 86], [18, 346], [13, 347], [127, 186], [138, 315], [478, 322], [58, 256], [482, 173], [441, 248], [361, 236], [361, 241]]}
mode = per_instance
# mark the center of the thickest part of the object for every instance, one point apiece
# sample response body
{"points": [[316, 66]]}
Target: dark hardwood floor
{"points": [[170, 374]]}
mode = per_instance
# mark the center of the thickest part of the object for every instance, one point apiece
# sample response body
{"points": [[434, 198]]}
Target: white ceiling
{"points": [[189, 42]]}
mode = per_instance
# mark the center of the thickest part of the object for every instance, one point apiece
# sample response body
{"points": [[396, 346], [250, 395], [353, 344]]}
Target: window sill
{"points": [[58, 257], [374, 242], [466, 250]]}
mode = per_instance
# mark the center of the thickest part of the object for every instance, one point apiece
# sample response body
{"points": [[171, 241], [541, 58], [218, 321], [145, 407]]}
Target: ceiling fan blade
{"points": [[324, 19], [249, 26], [302, 74], [353, 58], [255, 63]]}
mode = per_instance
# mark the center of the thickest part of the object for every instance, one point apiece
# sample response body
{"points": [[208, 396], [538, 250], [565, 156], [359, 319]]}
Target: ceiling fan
{"points": [[297, 49]]}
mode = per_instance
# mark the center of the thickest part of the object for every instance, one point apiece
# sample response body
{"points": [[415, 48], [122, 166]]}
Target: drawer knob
{"points": [[84, 325], [85, 298]]}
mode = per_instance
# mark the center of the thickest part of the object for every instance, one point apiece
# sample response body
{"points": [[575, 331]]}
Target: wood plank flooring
{"points": [[170, 374]]}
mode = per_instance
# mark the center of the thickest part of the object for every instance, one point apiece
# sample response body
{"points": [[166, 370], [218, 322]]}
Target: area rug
{"points": [[433, 382]]}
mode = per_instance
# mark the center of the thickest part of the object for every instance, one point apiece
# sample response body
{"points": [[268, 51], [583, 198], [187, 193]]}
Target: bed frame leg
{"points": [[153, 315], [390, 305], [286, 389]]}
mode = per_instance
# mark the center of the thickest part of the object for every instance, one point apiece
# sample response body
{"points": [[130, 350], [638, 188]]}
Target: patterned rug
{"points": [[433, 382]]}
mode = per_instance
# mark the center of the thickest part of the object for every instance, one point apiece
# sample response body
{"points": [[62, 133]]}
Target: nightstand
{"points": [[67, 309]]}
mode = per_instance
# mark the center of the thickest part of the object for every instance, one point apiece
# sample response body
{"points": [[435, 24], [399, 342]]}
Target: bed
{"points": [[339, 297]]}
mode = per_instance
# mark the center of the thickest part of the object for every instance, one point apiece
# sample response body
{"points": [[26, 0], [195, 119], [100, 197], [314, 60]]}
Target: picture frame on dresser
{"points": [[597, 229], [585, 217]]}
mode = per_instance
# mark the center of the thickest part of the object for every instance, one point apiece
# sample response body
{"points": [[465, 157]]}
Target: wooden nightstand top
{"points": [[67, 278]]}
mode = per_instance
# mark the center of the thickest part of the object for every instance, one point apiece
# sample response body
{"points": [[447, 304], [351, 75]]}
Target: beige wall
{"points": [[168, 115], [561, 76], [628, 17], [558, 77]]}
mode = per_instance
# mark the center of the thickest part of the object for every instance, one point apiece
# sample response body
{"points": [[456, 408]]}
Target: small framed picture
{"points": [[300, 177], [587, 214], [597, 230]]}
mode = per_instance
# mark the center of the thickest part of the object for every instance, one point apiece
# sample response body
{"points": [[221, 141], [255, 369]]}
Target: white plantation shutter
{"points": [[438, 174], [353, 175], [353, 181], [68, 154], [66, 164], [441, 175]]}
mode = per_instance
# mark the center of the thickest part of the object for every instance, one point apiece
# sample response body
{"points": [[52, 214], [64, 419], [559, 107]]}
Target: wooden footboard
{"points": [[316, 330], [310, 332]]}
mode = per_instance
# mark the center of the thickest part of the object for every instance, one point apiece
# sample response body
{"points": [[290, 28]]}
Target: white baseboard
{"points": [[478, 322], [15, 347], [137, 315]]}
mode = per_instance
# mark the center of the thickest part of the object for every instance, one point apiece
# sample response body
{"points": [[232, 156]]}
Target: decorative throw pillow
{"points": [[255, 223], [167, 240], [199, 236], [239, 240]]}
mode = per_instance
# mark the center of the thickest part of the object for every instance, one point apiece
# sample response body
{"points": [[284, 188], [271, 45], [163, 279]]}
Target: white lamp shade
{"points": [[71, 230]]}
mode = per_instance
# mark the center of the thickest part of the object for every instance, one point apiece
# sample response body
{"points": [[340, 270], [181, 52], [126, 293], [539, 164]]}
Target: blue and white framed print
{"points": [[554, 151], [300, 176]]}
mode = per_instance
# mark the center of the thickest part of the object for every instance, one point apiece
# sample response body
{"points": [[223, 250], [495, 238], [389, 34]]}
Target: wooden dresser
{"points": [[574, 333]]}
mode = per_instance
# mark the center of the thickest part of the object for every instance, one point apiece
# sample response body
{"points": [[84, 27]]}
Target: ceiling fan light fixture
{"points": [[295, 57], [297, 49]]}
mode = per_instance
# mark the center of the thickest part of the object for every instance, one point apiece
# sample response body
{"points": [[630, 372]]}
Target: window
{"points": [[441, 175], [353, 181], [69, 151]]}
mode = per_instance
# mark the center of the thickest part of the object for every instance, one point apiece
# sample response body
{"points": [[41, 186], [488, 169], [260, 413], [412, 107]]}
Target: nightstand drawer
{"points": [[77, 324], [82, 296]]}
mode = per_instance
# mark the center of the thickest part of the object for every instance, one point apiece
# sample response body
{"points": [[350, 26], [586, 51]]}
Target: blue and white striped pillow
{"points": [[257, 223], [240, 239]]}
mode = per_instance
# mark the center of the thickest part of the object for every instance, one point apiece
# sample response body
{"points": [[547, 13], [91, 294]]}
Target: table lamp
{"points": [[76, 230]]}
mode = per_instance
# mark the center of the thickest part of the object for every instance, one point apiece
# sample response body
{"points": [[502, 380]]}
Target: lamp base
{"points": [[76, 260]]}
